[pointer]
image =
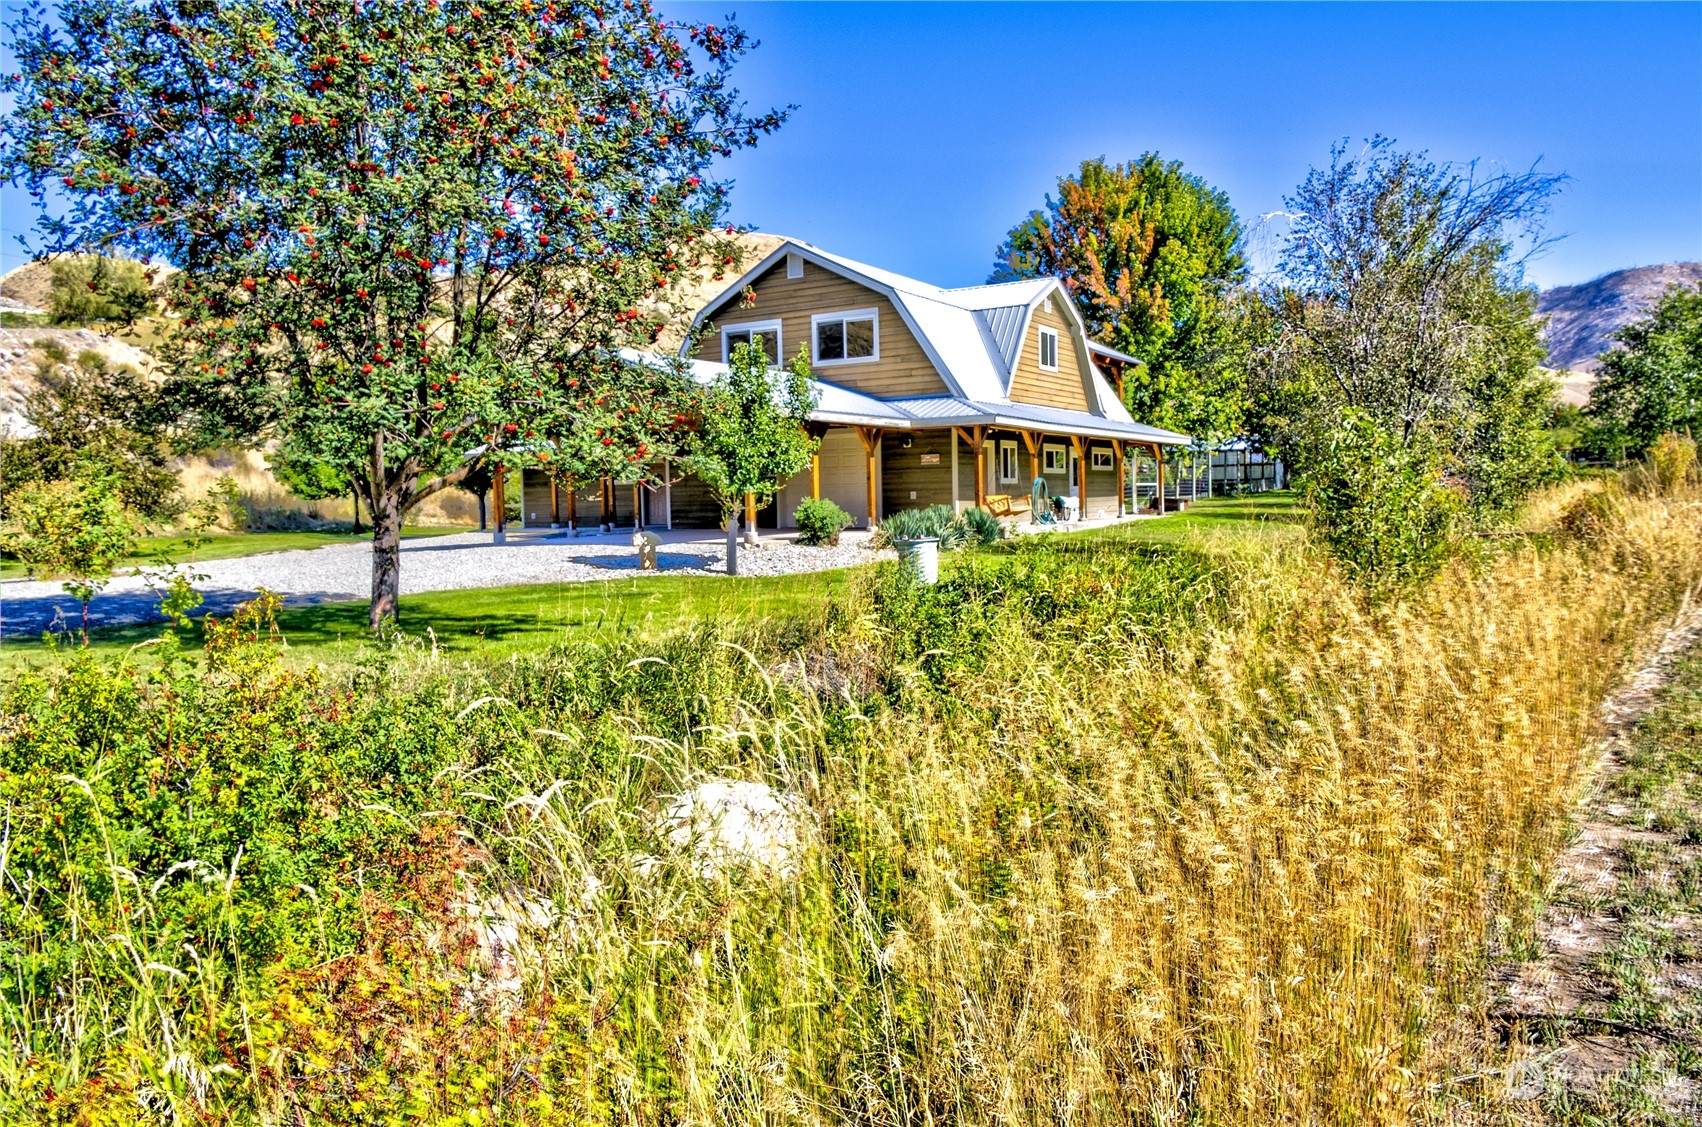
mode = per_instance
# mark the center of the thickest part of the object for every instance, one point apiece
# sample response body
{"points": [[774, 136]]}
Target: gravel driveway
{"points": [[341, 572]]}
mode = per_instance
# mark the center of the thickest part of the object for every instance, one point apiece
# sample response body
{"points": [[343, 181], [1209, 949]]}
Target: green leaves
{"points": [[751, 435], [1148, 253], [1653, 385]]}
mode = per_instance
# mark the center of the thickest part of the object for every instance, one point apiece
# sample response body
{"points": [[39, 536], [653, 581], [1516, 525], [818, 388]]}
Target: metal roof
{"points": [[973, 336], [951, 410]]}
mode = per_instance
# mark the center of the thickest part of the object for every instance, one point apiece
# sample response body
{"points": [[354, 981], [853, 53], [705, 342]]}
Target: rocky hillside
{"points": [[1583, 318]]}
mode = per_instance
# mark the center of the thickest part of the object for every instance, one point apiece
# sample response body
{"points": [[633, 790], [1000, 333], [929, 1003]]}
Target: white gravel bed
{"points": [[340, 572]]}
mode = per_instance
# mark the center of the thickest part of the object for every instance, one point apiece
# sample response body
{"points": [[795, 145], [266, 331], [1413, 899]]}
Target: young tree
{"points": [[1653, 385], [405, 229], [1403, 307], [311, 480], [76, 529], [750, 433], [1151, 255]]}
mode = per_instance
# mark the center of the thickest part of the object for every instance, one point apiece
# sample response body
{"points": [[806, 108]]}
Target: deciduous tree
{"points": [[1150, 254], [1652, 385], [750, 435], [406, 230]]}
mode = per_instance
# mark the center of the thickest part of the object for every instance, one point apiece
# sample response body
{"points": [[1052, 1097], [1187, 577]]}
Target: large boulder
{"points": [[726, 824]]}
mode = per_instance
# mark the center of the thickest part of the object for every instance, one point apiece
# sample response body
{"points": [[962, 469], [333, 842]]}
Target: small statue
{"points": [[646, 543]]}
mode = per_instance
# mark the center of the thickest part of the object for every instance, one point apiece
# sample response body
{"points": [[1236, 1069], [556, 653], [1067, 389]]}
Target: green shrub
{"points": [[820, 521], [1381, 507], [981, 526]]}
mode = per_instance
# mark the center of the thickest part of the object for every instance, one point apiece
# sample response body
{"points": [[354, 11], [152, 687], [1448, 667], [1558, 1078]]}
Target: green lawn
{"points": [[230, 546], [497, 621]]}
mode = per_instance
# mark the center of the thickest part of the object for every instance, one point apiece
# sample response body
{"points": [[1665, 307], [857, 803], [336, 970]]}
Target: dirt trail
{"points": [[1617, 972]]}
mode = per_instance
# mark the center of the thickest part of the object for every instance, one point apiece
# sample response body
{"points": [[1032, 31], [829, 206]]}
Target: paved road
{"points": [[340, 572]]}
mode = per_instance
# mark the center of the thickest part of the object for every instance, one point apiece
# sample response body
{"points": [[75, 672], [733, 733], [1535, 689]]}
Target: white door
{"points": [[844, 478]]}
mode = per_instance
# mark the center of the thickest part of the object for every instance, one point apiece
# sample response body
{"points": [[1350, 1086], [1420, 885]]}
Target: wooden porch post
{"points": [[815, 475], [1031, 440], [1079, 445], [870, 437], [637, 505], [976, 437], [1158, 456], [605, 499], [750, 518], [1117, 469], [501, 501], [555, 503], [573, 504]]}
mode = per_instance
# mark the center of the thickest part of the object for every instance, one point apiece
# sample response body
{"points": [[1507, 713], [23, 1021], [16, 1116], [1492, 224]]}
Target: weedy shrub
{"points": [[820, 521], [1108, 836]]}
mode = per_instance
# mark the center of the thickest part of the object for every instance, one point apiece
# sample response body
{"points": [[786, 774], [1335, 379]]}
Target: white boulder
{"points": [[726, 824]]}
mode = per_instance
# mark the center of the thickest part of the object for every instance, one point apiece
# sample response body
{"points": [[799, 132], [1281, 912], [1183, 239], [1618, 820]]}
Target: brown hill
{"points": [[1583, 318]]}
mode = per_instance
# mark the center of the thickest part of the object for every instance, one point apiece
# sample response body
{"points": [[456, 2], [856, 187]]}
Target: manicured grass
{"points": [[498, 621], [227, 547]]}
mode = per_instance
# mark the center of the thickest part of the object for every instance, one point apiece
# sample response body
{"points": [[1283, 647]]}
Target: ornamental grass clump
{"points": [[1091, 833]]}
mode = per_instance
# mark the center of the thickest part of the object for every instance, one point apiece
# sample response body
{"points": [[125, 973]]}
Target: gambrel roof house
{"points": [[927, 395]]}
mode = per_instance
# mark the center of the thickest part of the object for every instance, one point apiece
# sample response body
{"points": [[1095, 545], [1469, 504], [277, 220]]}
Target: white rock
{"points": [[726, 824]]}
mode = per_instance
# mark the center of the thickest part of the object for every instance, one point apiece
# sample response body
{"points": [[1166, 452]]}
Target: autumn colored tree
{"points": [[1150, 254], [406, 231]]}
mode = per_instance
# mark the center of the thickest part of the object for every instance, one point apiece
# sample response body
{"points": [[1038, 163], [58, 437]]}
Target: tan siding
{"points": [[1062, 388], [903, 368], [903, 473]]}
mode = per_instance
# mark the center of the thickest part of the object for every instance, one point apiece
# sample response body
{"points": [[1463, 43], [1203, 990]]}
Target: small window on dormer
{"points": [[794, 266], [1048, 350]]}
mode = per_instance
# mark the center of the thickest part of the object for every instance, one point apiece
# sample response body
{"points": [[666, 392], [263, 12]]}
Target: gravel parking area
{"points": [[342, 572]]}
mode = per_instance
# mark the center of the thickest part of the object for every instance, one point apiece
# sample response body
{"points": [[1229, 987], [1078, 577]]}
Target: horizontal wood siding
{"points": [[1063, 388], [1101, 485], [694, 505], [535, 500], [903, 368], [902, 470]]}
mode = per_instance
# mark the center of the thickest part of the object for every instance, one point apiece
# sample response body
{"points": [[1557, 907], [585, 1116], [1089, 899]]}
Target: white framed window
{"points": [[794, 266], [1102, 459], [851, 337], [1057, 459], [765, 333], [1009, 474], [1048, 349]]}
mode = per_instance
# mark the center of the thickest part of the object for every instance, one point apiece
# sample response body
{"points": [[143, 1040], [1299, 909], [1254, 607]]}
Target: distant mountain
{"points": [[1583, 318]]}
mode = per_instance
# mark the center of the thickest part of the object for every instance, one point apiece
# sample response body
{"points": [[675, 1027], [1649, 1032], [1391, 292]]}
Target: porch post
{"points": [[605, 503], [870, 437], [501, 504], [668, 494], [976, 437], [1031, 440], [637, 506], [750, 518], [1079, 445], [955, 496], [573, 506], [815, 474], [1158, 456], [1117, 470], [555, 503]]}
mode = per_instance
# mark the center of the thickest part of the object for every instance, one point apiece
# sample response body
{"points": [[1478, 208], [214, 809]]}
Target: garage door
{"points": [[844, 479]]}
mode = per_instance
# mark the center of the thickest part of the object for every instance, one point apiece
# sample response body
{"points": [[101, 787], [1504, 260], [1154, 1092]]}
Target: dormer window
{"points": [[1048, 350], [852, 337], [764, 333]]}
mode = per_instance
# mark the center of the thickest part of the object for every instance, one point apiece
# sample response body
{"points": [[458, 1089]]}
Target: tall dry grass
{"points": [[1239, 862], [269, 504]]}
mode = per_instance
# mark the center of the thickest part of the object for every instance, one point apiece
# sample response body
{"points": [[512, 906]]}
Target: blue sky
{"points": [[925, 131]]}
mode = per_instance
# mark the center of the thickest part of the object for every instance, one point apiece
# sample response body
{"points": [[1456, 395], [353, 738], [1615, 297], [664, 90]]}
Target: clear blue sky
{"points": [[924, 131]]}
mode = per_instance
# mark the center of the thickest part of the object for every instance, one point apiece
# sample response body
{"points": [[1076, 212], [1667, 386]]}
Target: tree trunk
{"points": [[481, 496], [386, 560], [732, 544]]}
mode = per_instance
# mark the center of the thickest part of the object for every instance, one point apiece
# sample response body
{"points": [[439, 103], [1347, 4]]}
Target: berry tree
{"points": [[406, 231]]}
